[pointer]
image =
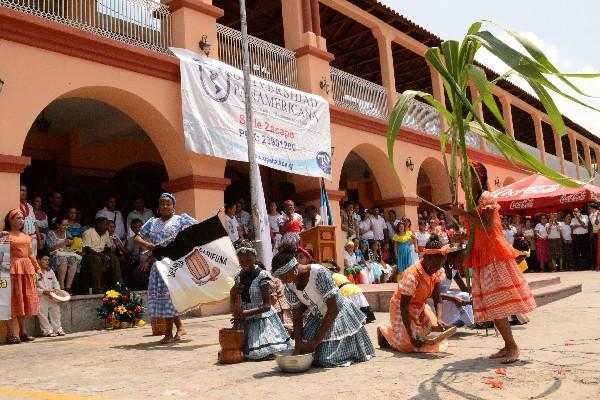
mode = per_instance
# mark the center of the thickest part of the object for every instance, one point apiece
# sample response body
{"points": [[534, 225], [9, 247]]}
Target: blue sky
{"points": [[567, 30]]}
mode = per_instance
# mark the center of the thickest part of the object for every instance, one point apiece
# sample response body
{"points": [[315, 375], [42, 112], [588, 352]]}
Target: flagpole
{"points": [[254, 171]]}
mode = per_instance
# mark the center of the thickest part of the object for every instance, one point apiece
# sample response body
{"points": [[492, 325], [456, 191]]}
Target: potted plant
{"points": [[121, 308]]}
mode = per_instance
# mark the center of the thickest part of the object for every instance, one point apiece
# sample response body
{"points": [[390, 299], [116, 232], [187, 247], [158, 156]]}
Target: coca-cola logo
{"points": [[539, 189], [572, 198], [521, 204]]}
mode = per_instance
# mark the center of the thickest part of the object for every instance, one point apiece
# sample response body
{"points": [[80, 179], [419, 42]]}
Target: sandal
{"points": [[26, 338], [167, 340], [12, 339]]}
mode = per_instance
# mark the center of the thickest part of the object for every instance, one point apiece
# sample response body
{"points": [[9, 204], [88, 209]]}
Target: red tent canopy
{"points": [[537, 193]]}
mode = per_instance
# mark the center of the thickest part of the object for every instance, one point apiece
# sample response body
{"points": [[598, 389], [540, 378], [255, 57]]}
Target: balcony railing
{"points": [[267, 60], [144, 23], [423, 117], [357, 94]]}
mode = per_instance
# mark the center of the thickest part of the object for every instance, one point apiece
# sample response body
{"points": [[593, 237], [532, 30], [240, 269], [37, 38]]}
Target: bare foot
{"points": [[511, 356], [499, 354], [180, 333], [167, 340], [381, 341]]}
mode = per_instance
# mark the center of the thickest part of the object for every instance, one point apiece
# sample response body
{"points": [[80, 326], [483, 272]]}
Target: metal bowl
{"points": [[288, 362]]}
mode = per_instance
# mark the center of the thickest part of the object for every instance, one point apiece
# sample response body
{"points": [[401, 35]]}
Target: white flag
{"points": [[265, 230]]}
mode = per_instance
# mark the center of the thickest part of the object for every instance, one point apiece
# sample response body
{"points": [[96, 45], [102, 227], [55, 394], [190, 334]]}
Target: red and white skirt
{"points": [[499, 290]]}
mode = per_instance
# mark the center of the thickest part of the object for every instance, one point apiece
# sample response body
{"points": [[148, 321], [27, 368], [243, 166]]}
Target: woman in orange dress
{"points": [[498, 289], [23, 275], [410, 317]]}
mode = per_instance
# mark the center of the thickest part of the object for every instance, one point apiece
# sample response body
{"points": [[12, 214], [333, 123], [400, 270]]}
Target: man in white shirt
{"points": [[244, 219], [29, 226], [111, 213], [378, 225], [97, 255], [231, 224], [139, 212], [581, 237], [392, 223]]}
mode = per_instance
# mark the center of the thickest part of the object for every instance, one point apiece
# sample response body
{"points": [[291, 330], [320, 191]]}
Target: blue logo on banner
{"points": [[324, 161], [215, 83]]}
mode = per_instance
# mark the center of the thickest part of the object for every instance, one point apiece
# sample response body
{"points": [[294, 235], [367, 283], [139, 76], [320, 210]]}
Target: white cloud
{"points": [[587, 118]]}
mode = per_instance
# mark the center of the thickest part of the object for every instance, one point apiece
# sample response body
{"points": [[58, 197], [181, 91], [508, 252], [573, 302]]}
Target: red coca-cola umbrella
{"points": [[536, 193]]}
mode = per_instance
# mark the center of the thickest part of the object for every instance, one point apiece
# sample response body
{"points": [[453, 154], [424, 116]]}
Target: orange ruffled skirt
{"points": [[24, 296], [422, 320], [499, 290]]}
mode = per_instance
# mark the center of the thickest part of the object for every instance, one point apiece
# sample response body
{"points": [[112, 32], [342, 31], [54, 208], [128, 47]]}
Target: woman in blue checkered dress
{"points": [[334, 329], [264, 332], [162, 231]]}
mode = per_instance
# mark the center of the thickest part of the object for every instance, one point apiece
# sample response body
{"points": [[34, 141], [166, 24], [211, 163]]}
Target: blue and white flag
{"points": [[326, 214]]}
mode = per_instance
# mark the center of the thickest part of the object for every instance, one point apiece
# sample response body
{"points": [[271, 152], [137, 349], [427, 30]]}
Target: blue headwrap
{"points": [[168, 196]]}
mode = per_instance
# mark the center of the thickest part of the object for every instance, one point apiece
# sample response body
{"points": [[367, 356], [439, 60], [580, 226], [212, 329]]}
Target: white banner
{"points": [[291, 127], [199, 265], [5, 310]]}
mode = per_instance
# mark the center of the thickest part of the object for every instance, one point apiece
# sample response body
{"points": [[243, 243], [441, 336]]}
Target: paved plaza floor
{"points": [[560, 360]]}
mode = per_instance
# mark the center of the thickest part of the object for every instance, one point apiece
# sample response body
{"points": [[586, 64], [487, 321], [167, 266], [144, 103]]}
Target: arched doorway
{"points": [[87, 150], [358, 180], [432, 184]]}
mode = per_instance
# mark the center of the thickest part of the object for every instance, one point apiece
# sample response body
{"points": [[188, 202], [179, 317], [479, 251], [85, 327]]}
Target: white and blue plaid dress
{"points": [[264, 333], [347, 341], [157, 231]]}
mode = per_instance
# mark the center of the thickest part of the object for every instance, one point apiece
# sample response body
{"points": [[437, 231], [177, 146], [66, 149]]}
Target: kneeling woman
{"points": [[410, 316], [334, 328], [263, 330]]}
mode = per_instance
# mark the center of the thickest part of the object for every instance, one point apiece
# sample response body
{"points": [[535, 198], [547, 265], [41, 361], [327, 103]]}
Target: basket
{"points": [[159, 326]]}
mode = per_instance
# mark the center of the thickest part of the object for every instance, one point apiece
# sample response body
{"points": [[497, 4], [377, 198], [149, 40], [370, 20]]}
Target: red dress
{"points": [[499, 289], [24, 296]]}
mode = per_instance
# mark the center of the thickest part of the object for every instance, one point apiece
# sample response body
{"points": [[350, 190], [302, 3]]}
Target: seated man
{"points": [[98, 256], [138, 272]]}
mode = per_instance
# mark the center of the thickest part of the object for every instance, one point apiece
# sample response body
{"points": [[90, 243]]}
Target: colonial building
{"points": [[90, 102]]}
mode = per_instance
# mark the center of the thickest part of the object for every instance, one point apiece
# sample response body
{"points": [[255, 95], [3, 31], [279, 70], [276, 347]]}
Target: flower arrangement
{"points": [[120, 305]]}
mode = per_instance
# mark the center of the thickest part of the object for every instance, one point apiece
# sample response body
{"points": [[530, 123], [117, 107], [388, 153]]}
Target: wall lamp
{"points": [[204, 45], [324, 85], [409, 164], [497, 182]]}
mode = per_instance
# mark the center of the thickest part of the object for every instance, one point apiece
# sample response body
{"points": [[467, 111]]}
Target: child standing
{"points": [[46, 284]]}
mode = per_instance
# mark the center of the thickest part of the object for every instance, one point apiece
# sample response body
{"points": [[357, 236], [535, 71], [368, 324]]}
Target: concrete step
{"points": [[549, 294], [545, 290], [537, 281]]}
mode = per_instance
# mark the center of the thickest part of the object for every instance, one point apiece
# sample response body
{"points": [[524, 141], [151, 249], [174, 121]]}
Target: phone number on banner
{"points": [[271, 141]]}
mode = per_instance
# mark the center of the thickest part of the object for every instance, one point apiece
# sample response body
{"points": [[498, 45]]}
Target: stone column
{"points": [[507, 115], [386, 62], [198, 195], [539, 137], [574, 154], [437, 86], [479, 108], [587, 155], [191, 19], [11, 168], [559, 151], [312, 58]]}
